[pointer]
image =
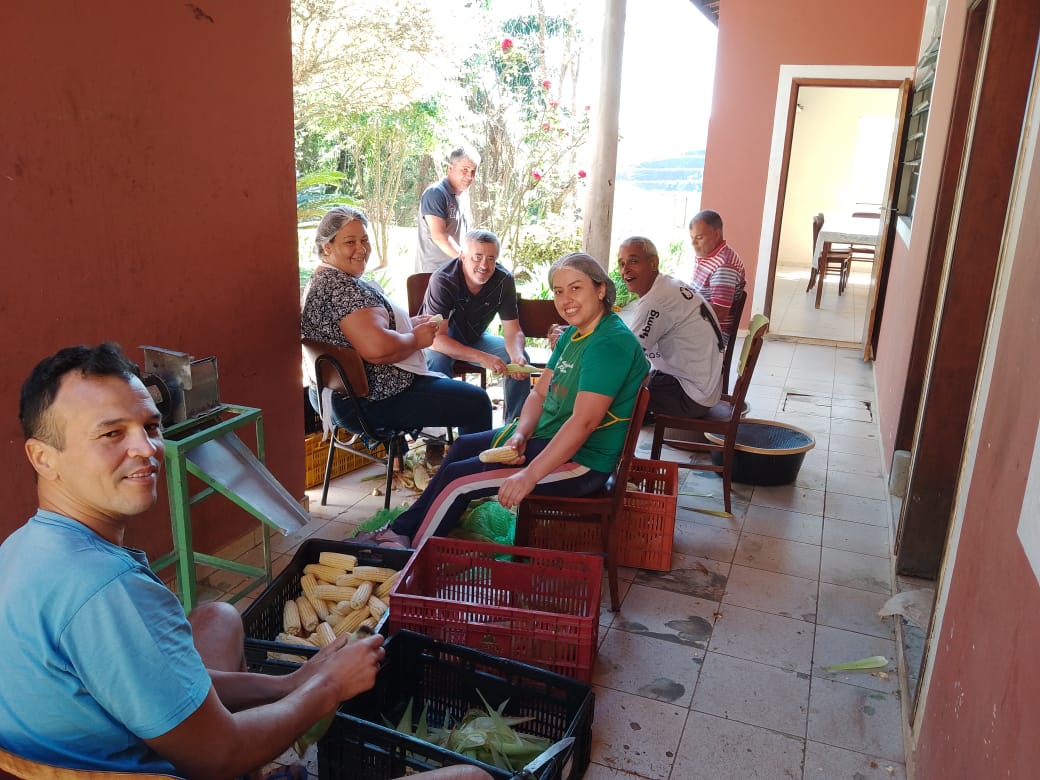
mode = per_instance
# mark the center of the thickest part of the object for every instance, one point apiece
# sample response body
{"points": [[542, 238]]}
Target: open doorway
{"points": [[841, 143]]}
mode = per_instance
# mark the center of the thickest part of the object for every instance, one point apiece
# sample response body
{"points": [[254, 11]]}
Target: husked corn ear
{"points": [[300, 659], [339, 609], [324, 635], [289, 639], [338, 560], [374, 573], [308, 584], [351, 621], [348, 580], [332, 593], [360, 597], [320, 572], [387, 585], [308, 617], [497, 455], [291, 618], [377, 606]]}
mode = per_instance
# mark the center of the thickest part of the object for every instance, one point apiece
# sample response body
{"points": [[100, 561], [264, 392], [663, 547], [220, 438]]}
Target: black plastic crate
{"points": [[446, 678], [263, 618]]}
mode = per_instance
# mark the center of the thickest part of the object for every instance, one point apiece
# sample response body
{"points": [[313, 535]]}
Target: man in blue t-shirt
{"points": [[106, 672]]}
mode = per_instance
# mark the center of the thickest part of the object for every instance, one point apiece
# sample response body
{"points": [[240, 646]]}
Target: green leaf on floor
{"points": [[380, 519], [862, 665]]}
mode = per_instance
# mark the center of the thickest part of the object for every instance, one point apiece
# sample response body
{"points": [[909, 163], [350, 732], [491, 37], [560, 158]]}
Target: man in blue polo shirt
{"points": [[469, 292]]}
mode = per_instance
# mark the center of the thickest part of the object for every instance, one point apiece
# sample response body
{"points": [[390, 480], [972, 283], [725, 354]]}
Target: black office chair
{"points": [[342, 369]]}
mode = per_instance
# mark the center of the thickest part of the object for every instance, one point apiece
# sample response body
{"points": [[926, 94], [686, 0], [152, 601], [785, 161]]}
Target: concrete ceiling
{"points": [[709, 8]]}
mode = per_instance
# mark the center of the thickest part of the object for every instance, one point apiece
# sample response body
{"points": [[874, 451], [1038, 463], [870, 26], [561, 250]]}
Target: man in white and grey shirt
{"points": [[679, 332]]}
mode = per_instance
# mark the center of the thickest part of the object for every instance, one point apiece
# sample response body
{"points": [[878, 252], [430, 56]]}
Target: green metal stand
{"points": [[182, 443]]}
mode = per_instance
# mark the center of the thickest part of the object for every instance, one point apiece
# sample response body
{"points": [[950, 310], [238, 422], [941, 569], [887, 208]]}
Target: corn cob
{"points": [[320, 572], [369, 623], [332, 593], [299, 659], [291, 618], [377, 607], [387, 585], [351, 621], [308, 617], [360, 597], [289, 639], [348, 580], [336, 560], [374, 573], [308, 584], [324, 635], [498, 455]]}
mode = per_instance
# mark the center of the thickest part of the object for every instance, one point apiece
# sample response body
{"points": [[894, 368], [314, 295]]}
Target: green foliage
{"points": [[317, 192], [624, 296], [537, 248]]}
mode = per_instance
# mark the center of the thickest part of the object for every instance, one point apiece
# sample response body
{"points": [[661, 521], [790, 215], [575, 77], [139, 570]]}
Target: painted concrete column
{"points": [[599, 205]]}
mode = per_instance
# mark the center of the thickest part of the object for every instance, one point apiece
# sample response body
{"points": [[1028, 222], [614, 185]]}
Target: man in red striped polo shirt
{"points": [[718, 272]]}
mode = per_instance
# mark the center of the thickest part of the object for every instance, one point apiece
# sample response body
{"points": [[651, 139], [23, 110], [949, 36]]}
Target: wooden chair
{"points": [[18, 767], [539, 518], [536, 316], [736, 311], [415, 287], [722, 418], [833, 261], [341, 369]]}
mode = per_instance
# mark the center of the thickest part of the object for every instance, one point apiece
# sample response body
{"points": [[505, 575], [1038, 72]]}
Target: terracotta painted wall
{"points": [[147, 196], [755, 39], [981, 716]]}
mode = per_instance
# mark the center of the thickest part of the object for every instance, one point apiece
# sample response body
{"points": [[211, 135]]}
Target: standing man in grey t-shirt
{"points": [[444, 212]]}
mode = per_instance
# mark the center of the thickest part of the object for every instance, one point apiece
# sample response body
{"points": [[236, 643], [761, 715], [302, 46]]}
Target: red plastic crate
{"points": [[536, 606], [646, 527]]}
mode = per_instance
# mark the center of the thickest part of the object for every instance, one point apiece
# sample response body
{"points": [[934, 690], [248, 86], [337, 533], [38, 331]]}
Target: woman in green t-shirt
{"points": [[569, 435]]}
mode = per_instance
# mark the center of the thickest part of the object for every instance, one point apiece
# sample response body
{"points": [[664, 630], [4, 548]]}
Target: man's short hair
{"points": [[41, 388], [709, 218], [481, 237], [462, 153], [644, 243]]}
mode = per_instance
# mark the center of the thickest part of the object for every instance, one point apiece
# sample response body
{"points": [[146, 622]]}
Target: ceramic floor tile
{"points": [[836, 646], [861, 413], [855, 570], [797, 499], [696, 509], [853, 610], [779, 555], [705, 541], [649, 667], [854, 428], [854, 445], [668, 616], [826, 762], [753, 693], [635, 734], [817, 424], [783, 524], [714, 748], [855, 718], [599, 772], [760, 636], [856, 485], [780, 594], [867, 465], [856, 537], [857, 509], [811, 477], [699, 577]]}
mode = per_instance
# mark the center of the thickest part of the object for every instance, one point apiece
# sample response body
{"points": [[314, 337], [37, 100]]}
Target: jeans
{"points": [[462, 478], [514, 391], [430, 402]]}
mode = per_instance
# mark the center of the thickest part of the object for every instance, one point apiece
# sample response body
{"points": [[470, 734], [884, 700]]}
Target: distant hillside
{"points": [[672, 174]]}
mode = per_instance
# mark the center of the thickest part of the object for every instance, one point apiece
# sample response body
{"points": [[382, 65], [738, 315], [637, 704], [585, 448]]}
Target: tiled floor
{"points": [[716, 669], [839, 318]]}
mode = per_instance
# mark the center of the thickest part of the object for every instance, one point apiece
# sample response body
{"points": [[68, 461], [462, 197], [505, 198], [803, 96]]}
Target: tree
{"points": [[520, 94]]}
